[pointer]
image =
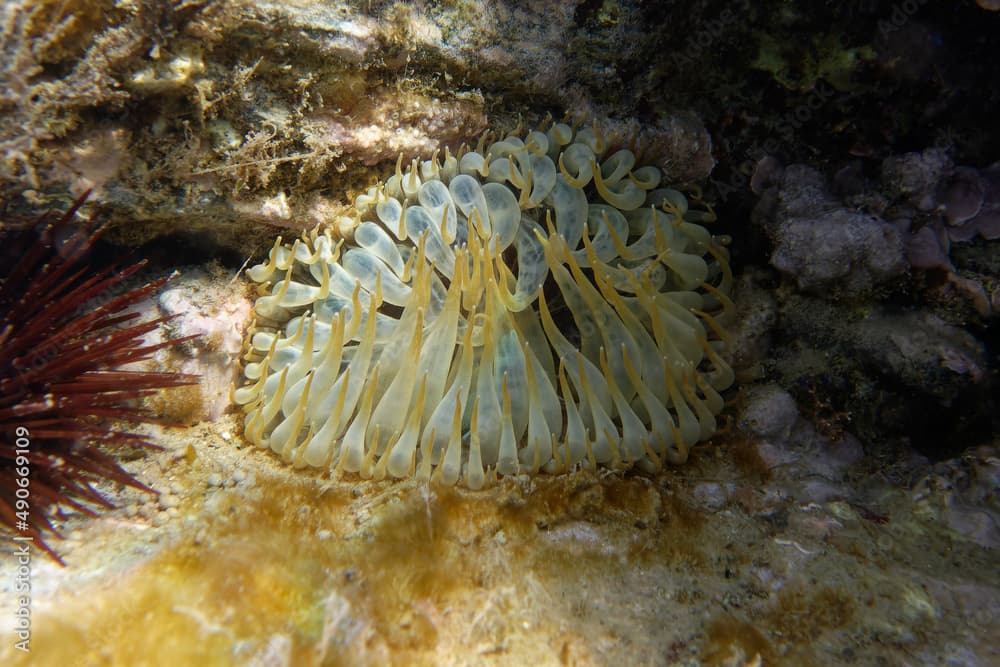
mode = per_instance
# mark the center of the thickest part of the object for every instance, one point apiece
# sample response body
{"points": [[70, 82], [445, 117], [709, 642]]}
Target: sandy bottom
{"points": [[244, 561]]}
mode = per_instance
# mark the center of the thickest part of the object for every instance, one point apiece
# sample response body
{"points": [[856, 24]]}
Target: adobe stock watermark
{"points": [[709, 30], [900, 15], [785, 128], [22, 550]]}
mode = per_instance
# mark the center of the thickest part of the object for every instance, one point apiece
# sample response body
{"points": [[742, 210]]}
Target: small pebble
{"points": [[239, 475], [168, 500], [214, 479], [712, 495]]}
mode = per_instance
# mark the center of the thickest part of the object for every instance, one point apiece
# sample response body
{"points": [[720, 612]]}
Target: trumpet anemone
{"points": [[537, 304]]}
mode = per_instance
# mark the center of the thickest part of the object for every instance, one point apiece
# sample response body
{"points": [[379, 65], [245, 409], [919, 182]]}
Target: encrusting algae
{"points": [[538, 304]]}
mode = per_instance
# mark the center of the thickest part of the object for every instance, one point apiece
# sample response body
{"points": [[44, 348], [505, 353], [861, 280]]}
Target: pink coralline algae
{"points": [[970, 202]]}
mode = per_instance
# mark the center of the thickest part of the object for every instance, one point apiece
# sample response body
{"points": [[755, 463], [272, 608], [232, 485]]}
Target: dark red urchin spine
{"points": [[61, 376]]}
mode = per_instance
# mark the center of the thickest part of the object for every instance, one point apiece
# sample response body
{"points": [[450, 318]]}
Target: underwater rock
{"points": [[771, 416], [962, 493], [842, 245], [970, 202], [923, 349], [914, 177], [768, 412], [916, 349], [825, 247], [753, 329], [943, 214], [206, 304], [962, 198], [200, 118], [927, 248], [792, 461], [946, 216], [893, 374], [840, 251], [967, 205]]}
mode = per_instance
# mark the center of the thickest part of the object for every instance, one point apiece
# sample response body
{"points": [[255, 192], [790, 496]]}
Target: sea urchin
{"points": [[61, 376]]}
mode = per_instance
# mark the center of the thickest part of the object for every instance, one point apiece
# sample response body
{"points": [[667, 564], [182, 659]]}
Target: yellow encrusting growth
{"points": [[535, 305]]}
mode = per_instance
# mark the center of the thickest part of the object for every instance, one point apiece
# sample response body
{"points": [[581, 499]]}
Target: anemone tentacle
{"points": [[532, 305]]}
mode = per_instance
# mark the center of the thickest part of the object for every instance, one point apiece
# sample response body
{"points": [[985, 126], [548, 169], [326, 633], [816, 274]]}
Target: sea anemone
{"points": [[535, 305], [61, 381]]}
